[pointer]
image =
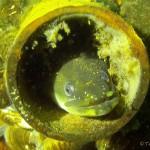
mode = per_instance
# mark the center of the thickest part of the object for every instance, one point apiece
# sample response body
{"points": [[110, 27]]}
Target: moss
{"points": [[111, 4], [114, 44], [137, 14]]}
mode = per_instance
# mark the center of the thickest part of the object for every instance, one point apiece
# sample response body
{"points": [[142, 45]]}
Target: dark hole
{"points": [[39, 64]]}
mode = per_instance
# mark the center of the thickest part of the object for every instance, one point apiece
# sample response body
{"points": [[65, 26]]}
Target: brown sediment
{"points": [[3, 145]]}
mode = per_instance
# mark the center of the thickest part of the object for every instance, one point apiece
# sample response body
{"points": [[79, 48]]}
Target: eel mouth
{"points": [[83, 103], [95, 109]]}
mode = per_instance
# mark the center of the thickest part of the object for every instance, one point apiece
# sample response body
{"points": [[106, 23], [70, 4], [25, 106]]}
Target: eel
{"points": [[84, 87]]}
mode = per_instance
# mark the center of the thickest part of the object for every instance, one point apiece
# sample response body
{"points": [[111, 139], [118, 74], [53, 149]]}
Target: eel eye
{"points": [[69, 89], [104, 75]]}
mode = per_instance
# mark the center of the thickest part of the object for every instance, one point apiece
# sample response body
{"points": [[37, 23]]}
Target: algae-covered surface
{"points": [[137, 13], [136, 134]]}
